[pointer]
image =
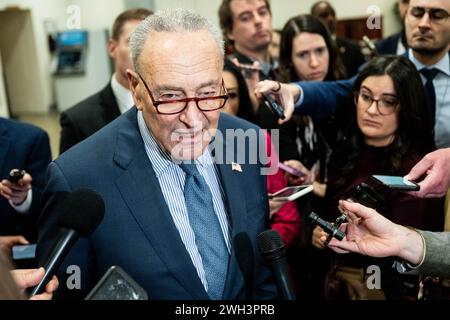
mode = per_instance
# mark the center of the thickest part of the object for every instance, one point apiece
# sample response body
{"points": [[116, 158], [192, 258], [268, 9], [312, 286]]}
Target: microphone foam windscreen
{"points": [[270, 241], [82, 210]]}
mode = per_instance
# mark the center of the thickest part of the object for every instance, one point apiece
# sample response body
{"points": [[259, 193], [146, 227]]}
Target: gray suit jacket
{"points": [[437, 256]]}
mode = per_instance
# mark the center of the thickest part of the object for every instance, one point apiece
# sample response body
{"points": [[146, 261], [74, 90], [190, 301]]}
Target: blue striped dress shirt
{"points": [[171, 180]]}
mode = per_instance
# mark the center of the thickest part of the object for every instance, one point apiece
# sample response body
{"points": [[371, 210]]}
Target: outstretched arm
{"points": [[371, 234]]}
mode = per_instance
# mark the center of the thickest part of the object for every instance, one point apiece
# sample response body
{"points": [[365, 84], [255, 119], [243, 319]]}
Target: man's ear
{"points": [[112, 47], [133, 83], [229, 35]]}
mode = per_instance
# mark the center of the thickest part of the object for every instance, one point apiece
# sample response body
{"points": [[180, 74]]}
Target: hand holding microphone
{"points": [[81, 213]]}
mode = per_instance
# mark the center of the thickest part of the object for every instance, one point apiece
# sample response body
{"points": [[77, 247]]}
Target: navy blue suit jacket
{"points": [[321, 99], [22, 146], [137, 232], [389, 44]]}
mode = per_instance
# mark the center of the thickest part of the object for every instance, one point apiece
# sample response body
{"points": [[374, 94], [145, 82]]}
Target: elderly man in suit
{"points": [[182, 223], [93, 113], [25, 147]]}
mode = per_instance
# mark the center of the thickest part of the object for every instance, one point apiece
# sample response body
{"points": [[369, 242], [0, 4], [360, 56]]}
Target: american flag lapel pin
{"points": [[236, 167]]}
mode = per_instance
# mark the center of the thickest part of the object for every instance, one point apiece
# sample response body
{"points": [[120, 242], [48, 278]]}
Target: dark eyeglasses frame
{"points": [[357, 95], [157, 103]]}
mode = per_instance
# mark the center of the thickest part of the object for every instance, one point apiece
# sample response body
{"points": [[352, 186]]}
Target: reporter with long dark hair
{"points": [[390, 135]]}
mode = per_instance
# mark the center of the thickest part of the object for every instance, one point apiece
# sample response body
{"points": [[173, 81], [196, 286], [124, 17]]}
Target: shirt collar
{"points": [[160, 158], [122, 94], [442, 65]]}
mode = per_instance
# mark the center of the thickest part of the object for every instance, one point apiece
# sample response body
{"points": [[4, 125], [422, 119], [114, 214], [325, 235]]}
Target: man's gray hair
{"points": [[171, 20]]}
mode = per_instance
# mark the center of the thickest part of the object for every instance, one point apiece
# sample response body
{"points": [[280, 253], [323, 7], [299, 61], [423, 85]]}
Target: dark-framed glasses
{"points": [[435, 15], [386, 105], [174, 106]]}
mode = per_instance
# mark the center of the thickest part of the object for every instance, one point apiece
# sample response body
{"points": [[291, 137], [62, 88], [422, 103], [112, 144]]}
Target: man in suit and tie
{"points": [[182, 223], [25, 147], [396, 43], [96, 111], [427, 25]]}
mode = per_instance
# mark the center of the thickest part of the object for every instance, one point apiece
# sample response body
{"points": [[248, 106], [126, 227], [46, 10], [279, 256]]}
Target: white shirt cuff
{"points": [[25, 206], [300, 98]]}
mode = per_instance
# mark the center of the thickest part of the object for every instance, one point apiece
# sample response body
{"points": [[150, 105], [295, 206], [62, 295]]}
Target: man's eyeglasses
{"points": [[178, 105], [436, 15], [385, 105]]}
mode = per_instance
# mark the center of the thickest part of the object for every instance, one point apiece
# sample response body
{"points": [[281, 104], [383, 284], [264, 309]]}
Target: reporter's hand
{"points": [[275, 205], [436, 166], [16, 192], [27, 278], [294, 180], [286, 94], [371, 234], [318, 238], [7, 242]]}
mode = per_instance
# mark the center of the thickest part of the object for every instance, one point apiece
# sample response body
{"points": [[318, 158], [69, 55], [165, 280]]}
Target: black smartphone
{"points": [[116, 284], [15, 175], [271, 104], [395, 183]]}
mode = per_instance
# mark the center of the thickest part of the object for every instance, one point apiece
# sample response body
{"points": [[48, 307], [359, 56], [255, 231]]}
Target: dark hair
{"points": [[245, 110], [318, 3], [226, 16], [414, 123], [307, 23], [414, 132], [124, 17]]}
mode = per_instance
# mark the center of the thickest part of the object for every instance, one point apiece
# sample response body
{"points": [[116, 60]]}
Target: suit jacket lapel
{"points": [[236, 206], [141, 191]]}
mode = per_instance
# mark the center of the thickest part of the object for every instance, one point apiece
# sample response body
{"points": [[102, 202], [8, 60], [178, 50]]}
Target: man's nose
{"points": [[191, 115]]}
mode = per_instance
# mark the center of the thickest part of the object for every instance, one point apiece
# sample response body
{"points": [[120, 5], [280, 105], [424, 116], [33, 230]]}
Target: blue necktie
{"points": [[208, 233], [430, 74]]}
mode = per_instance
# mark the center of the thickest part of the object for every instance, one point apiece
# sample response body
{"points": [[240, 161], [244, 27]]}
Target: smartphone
{"points": [[15, 175], [23, 252], [291, 170], [271, 104], [116, 284], [396, 183], [292, 193]]}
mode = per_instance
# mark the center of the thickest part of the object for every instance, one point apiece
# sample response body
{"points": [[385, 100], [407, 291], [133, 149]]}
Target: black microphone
{"points": [[273, 251], [331, 229], [81, 212]]}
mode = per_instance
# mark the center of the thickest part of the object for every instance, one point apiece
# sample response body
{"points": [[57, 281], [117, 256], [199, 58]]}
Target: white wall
{"points": [[98, 14], [40, 11], [94, 15]]}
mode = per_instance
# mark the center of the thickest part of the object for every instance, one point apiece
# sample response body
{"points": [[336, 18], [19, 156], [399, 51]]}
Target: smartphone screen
{"points": [[292, 193], [396, 183], [22, 252]]}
